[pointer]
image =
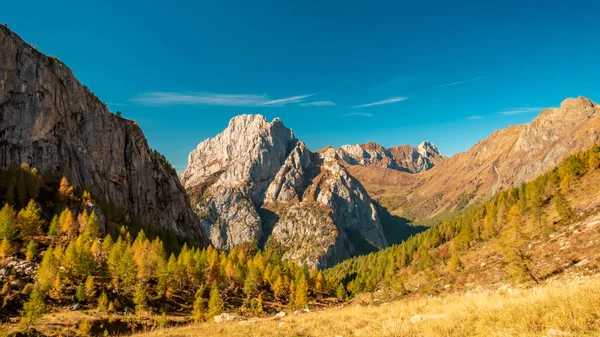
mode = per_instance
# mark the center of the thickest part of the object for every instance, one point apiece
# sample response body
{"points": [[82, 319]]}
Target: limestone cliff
{"points": [[48, 119], [321, 214]]}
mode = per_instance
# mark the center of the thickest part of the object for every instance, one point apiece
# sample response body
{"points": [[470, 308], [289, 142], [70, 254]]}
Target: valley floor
{"points": [[566, 307]]}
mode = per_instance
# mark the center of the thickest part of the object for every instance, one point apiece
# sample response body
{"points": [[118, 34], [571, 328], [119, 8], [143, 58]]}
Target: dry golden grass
{"points": [[568, 306]]}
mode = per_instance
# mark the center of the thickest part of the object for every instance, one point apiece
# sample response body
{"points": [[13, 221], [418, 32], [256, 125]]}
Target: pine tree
{"points": [[215, 302], [33, 309], [30, 221]]}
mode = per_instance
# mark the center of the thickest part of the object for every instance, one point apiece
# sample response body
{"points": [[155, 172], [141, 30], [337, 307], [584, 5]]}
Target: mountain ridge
{"points": [[48, 119]]}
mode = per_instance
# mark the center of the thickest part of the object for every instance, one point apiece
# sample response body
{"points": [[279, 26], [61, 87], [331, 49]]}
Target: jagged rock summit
{"points": [[256, 182], [48, 119], [402, 158]]}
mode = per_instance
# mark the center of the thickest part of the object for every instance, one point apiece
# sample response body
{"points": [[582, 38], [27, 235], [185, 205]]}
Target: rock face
{"points": [[309, 203], [48, 119], [403, 158], [505, 159]]}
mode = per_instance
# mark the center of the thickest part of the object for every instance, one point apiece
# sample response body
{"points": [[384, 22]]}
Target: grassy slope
{"points": [[568, 305]]}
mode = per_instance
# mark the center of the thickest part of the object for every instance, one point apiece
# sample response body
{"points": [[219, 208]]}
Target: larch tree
{"points": [[215, 302], [30, 221]]}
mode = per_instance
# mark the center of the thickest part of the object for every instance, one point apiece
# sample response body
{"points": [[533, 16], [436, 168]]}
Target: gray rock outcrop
{"points": [[402, 158], [48, 119], [320, 213]]}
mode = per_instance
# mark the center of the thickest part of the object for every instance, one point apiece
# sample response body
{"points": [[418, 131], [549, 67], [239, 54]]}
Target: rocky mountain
{"points": [[403, 158], [48, 119], [506, 158], [256, 182]]}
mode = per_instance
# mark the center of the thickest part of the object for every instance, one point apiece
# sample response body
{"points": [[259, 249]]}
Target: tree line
{"points": [[508, 219], [116, 272]]}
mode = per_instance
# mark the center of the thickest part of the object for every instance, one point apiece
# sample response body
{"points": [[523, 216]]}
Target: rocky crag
{"points": [[402, 158], [48, 119], [256, 182]]}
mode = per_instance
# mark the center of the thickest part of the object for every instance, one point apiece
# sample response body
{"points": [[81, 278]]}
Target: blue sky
{"points": [[336, 72]]}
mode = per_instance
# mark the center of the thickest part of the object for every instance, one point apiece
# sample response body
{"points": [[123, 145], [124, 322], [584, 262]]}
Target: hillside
{"points": [[503, 160]]}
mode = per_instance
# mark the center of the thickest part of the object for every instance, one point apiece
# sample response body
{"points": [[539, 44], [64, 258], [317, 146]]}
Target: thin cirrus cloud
{"points": [[361, 114], [160, 98], [319, 103], [458, 82], [382, 102], [519, 111], [475, 117]]}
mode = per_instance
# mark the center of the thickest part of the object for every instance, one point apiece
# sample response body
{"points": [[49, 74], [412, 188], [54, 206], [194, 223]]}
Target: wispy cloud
{"points": [[458, 82], [519, 111], [362, 114], [287, 100], [160, 98], [475, 117], [385, 101], [319, 103], [116, 104]]}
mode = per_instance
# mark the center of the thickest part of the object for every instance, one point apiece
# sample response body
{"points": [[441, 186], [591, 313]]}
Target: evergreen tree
{"points": [[215, 302]]}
